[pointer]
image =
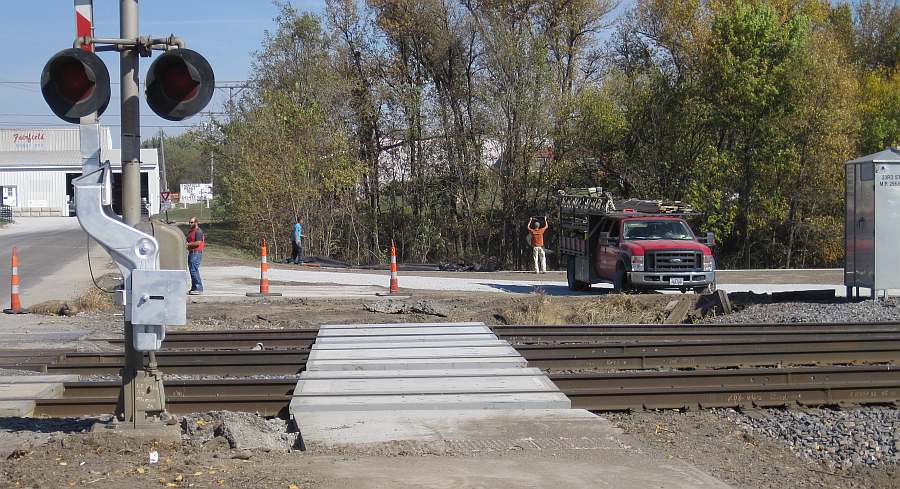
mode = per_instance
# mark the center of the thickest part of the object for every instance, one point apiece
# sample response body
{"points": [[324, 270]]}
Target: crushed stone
{"points": [[839, 439], [238, 430], [813, 312], [391, 306]]}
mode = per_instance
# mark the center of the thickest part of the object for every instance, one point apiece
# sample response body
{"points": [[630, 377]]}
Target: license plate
{"points": [[676, 281]]}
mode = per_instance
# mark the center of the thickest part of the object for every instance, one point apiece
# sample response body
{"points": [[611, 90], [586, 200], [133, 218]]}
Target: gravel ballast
{"points": [[836, 438], [813, 312]]}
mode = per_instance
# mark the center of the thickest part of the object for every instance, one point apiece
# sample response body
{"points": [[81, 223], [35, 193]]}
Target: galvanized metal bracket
{"points": [[153, 298]]}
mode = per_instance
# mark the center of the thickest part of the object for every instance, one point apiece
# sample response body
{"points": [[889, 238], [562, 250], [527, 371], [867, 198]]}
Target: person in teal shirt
{"points": [[297, 242]]}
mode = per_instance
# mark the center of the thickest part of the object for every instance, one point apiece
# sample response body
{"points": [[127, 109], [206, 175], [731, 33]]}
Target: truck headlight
{"points": [[637, 263], [709, 264]]}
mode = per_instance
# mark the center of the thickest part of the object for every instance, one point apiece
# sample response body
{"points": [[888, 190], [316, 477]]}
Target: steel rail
{"points": [[87, 406], [608, 355], [781, 387], [303, 338], [805, 395]]}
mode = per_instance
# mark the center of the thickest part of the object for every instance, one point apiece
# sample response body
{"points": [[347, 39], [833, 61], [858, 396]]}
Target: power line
{"points": [[60, 124], [219, 84], [105, 115]]}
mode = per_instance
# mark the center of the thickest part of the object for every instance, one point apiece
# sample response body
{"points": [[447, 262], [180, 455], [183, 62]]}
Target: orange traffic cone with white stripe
{"points": [[15, 303], [263, 276], [395, 280]]}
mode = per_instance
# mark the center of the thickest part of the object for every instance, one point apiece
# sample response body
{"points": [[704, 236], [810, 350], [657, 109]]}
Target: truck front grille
{"points": [[673, 261]]}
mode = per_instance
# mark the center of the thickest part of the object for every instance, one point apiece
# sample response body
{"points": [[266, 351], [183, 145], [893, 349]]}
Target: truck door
{"points": [[611, 251], [605, 268], [600, 246]]}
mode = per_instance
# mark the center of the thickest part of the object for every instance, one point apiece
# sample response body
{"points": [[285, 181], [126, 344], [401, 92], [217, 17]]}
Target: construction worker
{"points": [[297, 242], [196, 241], [537, 244]]}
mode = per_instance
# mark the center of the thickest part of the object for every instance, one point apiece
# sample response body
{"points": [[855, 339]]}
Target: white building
{"points": [[37, 166]]}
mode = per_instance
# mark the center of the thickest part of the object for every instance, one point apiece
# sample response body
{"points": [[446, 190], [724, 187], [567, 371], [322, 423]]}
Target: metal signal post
{"points": [[75, 83]]}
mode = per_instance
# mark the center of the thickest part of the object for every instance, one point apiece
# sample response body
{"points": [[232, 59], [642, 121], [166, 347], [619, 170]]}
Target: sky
{"points": [[226, 32]]}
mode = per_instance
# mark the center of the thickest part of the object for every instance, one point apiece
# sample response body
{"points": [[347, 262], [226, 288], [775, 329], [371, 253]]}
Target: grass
{"points": [[179, 214], [541, 309], [93, 300]]}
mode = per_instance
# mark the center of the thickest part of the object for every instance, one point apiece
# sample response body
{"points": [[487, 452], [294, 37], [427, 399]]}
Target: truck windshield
{"points": [[667, 229]]}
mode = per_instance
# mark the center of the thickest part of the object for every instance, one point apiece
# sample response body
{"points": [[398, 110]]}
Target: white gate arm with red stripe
{"points": [[84, 22]]}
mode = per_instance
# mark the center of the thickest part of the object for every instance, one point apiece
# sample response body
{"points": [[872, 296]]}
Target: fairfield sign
{"points": [[29, 140], [28, 137]]}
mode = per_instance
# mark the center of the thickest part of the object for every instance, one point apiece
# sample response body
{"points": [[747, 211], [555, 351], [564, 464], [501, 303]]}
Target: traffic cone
{"points": [[395, 282], [15, 303], [263, 276]]}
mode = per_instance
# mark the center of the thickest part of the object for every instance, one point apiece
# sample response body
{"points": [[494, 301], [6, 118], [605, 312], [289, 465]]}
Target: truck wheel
{"points": [[574, 285], [620, 280]]}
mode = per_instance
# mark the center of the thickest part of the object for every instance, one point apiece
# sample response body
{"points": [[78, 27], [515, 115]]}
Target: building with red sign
{"points": [[37, 166]]}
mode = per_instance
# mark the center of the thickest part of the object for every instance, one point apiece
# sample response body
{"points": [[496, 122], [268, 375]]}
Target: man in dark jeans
{"points": [[196, 241], [297, 242]]}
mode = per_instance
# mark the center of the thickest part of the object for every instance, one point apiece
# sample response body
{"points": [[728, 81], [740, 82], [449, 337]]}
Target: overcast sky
{"points": [[226, 32]]}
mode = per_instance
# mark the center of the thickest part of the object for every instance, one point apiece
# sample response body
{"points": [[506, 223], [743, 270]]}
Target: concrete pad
{"points": [[437, 402], [368, 345], [417, 363], [453, 424], [37, 379], [20, 409], [31, 391], [411, 374], [425, 385], [412, 353], [430, 338], [397, 325], [435, 330], [43, 336], [583, 469]]}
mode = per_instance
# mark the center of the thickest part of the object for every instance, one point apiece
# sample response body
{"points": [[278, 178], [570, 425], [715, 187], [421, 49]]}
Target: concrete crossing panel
{"points": [[427, 385], [413, 353], [417, 363], [325, 333], [493, 400], [398, 345], [411, 374], [398, 325], [430, 338]]}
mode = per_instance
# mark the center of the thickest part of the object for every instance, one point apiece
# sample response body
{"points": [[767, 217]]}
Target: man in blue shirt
{"points": [[297, 242]]}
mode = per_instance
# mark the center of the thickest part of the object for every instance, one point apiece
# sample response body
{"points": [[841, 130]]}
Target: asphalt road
{"points": [[52, 259]]}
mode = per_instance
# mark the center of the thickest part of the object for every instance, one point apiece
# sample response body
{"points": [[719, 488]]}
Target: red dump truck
{"points": [[632, 244]]}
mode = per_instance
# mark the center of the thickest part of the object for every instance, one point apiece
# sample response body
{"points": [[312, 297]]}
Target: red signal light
{"points": [[72, 81], [75, 83], [179, 84]]}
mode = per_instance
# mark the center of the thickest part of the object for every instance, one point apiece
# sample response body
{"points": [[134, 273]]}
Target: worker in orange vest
{"points": [[537, 244]]}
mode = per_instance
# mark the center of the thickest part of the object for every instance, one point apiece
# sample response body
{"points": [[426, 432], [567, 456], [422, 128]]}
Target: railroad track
{"points": [[611, 391], [298, 338], [736, 351], [600, 353]]}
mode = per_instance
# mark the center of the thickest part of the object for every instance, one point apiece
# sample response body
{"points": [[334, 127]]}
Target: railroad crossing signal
{"points": [[75, 84], [179, 84]]}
